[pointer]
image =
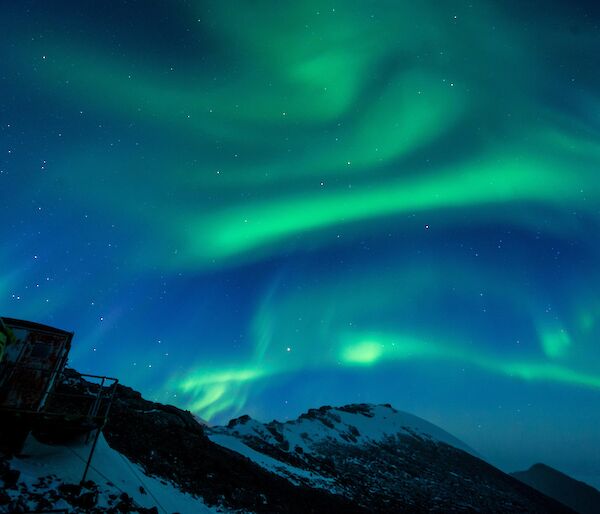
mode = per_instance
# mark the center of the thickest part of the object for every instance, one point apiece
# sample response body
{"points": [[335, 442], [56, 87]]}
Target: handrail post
{"points": [[89, 460]]}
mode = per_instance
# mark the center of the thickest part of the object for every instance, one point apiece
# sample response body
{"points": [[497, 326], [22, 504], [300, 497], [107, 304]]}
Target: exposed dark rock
{"points": [[239, 421], [154, 436], [360, 408], [10, 478]]}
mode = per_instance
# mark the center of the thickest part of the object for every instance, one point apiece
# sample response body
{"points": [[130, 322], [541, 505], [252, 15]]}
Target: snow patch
{"points": [[112, 471]]}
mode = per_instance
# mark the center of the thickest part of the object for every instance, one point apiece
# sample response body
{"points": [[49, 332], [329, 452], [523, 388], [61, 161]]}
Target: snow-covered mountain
{"points": [[357, 424], [381, 458], [353, 459], [293, 449]]}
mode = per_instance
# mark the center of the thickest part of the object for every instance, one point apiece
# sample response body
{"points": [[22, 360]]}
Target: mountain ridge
{"points": [[380, 457], [367, 468]]}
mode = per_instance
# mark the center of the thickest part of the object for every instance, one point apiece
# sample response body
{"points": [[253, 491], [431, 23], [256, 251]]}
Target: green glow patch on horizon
{"points": [[555, 342], [364, 353], [398, 347]]}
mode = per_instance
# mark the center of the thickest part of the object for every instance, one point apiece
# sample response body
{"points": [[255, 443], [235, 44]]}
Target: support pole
{"points": [[89, 461]]}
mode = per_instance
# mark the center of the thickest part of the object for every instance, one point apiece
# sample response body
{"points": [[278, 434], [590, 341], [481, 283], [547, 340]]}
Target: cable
{"points": [[95, 469], [140, 480], [113, 481]]}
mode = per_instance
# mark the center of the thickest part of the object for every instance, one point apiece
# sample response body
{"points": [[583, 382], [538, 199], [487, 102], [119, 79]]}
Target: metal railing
{"points": [[94, 390], [70, 397]]}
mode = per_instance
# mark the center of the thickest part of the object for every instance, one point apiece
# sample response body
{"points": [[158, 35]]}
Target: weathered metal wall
{"points": [[31, 364]]}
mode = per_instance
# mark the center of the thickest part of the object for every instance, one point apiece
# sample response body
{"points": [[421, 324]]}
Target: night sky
{"points": [[262, 207]]}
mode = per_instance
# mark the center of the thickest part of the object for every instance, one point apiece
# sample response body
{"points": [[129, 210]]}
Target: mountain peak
{"points": [[358, 423], [381, 458]]}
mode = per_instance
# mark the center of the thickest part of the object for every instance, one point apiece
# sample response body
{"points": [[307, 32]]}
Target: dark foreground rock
{"points": [[170, 443]]}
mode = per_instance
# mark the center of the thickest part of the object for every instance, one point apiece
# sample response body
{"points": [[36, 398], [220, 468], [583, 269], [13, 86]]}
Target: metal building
{"points": [[39, 394], [31, 364]]}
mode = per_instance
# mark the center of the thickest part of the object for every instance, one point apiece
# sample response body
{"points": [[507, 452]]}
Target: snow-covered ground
{"points": [[293, 474], [111, 471]]}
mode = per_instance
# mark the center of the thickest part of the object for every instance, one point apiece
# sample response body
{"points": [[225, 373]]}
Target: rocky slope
{"points": [[353, 459]]}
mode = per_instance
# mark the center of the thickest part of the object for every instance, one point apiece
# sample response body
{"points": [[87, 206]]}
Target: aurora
{"points": [[263, 209]]}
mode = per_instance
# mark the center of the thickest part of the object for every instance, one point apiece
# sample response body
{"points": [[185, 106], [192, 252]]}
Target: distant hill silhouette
{"points": [[580, 496]]}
